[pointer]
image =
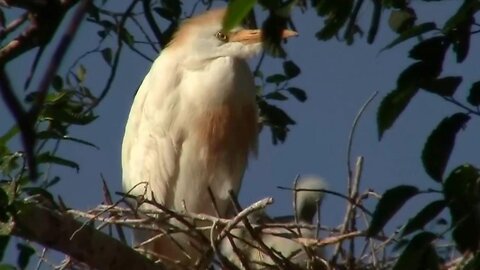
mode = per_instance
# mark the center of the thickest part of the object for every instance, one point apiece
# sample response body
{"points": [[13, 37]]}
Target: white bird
{"points": [[193, 124], [280, 240]]}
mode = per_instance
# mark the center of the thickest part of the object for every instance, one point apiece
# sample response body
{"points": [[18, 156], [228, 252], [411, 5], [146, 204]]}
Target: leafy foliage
{"points": [[145, 27], [391, 201]]}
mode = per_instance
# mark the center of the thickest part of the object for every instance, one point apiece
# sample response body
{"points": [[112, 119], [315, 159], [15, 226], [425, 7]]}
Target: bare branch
{"points": [[52, 229]]}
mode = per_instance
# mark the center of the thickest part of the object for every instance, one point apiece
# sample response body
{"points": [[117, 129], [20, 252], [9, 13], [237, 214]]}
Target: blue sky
{"points": [[338, 79]]}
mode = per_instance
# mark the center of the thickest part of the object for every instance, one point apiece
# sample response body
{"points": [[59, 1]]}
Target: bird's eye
{"points": [[221, 36]]}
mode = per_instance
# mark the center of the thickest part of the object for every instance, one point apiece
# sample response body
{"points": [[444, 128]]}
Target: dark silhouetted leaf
{"points": [[7, 267], [391, 201], [461, 39], [445, 87], [49, 158], [337, 14], [462, 192], [298, 93], [416, 254], [127, 37], [432, 49], [4, 202], [291, 69], [4, 239], [462, 14], [57, 83], [276, 78], [272, 29], [419, 73], [107, 55], [276, 119], [401, 20], [236, 11], [439, 145], [24, 256], [164, 13], [474, 94], [392, 106], [473, 264], [427, 214], [458, 28], [412, 32], [276, 96]]}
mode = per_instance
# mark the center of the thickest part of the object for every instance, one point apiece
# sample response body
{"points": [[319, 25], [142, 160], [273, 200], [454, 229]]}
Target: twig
{"points": [[97, 215], [333, 193], [108, 199], [295, 212], [26, 128], [243, 214], [277, 258], [13, 25], [352, 135], [116, 58], [152, 23]]}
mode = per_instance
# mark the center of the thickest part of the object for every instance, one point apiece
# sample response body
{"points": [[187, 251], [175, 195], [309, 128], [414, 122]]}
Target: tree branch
{"points": [[53, 229]]}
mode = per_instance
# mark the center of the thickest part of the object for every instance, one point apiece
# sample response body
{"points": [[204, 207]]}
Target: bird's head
{"points": [[202, 38], [308, 201]]}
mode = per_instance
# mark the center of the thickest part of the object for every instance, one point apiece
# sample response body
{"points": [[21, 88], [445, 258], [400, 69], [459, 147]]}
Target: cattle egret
{"points": [[281, 240], [193, 124]]}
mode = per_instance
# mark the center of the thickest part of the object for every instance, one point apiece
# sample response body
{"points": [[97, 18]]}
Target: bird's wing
{"points": [[149, 150]]}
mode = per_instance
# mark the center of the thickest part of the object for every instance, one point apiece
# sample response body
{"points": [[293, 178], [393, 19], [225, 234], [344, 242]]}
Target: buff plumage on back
{"points": [[189, 128]]}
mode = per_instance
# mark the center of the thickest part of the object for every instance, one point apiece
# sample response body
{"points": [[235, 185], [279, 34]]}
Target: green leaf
{"points": [[42, 135], [298, 93], [4, 239], [444, 87], [9, 134], [392, 106], [126, 37], [24, 256], [49, 158], [474, 94], [462, 192], [401, 20], [236, 11], [276, 96], [412, 32], [81, 73], [413, 257], [276, 78], [422, 218], [7, 267], [291, 69], [62, 114], [107, 55], [439, 145], [391, 201]]}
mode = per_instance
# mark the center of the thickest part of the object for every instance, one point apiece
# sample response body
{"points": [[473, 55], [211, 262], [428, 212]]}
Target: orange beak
{"points": [[250, 36]]}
